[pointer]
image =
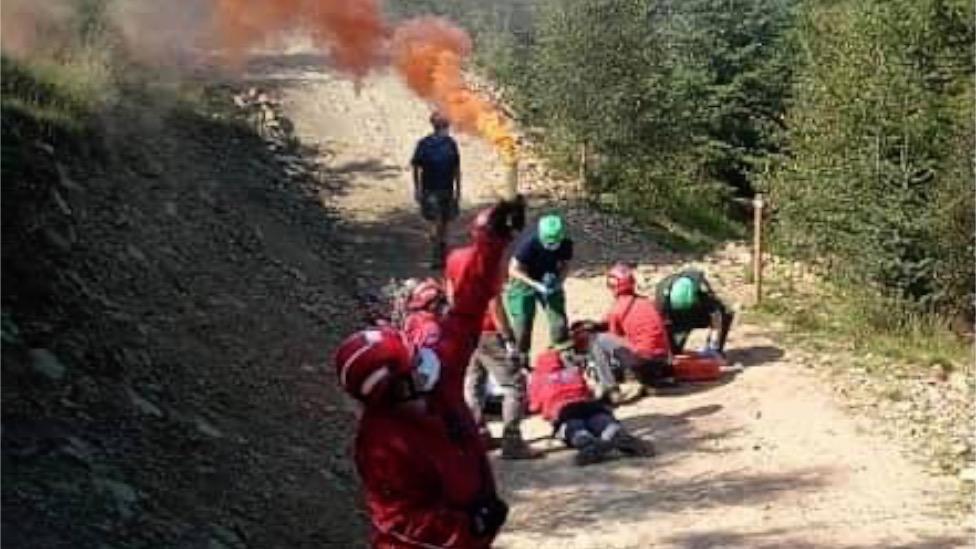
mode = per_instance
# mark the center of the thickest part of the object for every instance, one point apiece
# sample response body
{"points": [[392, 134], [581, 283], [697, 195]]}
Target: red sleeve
{"points": [[476, 279], [401, 496], [475, 284]]}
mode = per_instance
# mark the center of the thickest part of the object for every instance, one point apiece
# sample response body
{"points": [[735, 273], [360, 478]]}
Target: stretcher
{"points": [[694, 366]]}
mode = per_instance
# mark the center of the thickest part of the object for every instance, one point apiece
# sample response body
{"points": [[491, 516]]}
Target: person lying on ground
{"points": [[437, 183], [558, 390], [686, 302], [423, 467], [538, 267]]}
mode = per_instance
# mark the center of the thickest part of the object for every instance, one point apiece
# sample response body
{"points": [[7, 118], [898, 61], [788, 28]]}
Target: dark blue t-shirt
{"points": [[536, 259], [438, 157]]}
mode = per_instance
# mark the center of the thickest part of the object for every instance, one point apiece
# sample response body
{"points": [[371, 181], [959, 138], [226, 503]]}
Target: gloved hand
{"points": [[710, 351], [508, 217], [551, 283], [488, 516], [540, 289]]}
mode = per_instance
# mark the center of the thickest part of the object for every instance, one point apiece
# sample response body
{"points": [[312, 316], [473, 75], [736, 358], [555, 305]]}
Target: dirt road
{"points": [[767, 459]]}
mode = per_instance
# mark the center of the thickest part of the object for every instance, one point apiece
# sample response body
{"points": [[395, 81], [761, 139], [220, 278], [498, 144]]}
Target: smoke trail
{"points": [[429, 53], [30, 28], [354, 32]]}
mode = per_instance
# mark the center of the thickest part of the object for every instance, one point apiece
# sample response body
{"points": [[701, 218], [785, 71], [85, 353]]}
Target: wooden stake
{"points": [[511, 180], [583, 164], [757, 262]]}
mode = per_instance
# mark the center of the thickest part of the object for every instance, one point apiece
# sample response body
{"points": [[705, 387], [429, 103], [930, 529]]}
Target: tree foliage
{"points": [[878, 178]]}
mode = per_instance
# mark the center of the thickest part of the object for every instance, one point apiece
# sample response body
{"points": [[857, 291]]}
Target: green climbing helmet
{"points": [[684, 294], [551, 230]]}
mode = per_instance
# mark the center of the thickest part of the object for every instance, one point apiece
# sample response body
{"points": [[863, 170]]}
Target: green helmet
{"points": [[551, 230], [684, 294]]}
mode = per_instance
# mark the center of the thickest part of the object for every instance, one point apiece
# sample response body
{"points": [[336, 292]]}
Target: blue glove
{"points": [[710, 350], [552, 283]]}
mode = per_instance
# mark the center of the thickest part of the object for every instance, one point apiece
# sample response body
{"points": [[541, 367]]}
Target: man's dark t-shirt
{"points": [[537, 259], [438, 157]]}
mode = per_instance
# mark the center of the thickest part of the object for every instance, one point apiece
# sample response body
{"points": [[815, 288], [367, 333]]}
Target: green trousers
{"points": [[520, 302]]}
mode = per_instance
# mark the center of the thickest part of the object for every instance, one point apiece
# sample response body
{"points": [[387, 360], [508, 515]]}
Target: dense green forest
{"points": [[855, 117]]}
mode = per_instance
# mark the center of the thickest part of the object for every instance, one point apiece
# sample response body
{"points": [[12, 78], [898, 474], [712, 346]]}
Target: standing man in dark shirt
{"points": [[437, 183], [536, 272]]}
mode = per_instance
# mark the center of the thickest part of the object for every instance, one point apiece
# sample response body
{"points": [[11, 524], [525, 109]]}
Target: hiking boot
{"points": [[515, 447], [595, 452], [629, 445]]}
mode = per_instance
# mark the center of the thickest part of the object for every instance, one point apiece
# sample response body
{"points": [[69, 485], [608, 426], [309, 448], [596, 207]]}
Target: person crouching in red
{"points": [[634, 337], [558, 390], [423, 467]]}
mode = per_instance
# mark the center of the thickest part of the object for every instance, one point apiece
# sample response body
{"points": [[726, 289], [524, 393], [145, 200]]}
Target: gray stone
{"points": [[62, 242], [61, 202], [125, 496], [144, 405], [44, 362], [222, 537], [135, 253], [46, 147], [960, 448], [207, 428]]}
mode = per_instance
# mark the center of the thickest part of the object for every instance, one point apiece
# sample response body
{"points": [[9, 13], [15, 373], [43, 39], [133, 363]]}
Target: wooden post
{"points": [[511, 180], [757, 260], [583, 167]]}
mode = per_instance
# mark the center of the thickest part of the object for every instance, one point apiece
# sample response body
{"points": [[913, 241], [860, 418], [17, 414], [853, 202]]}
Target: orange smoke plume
{"points": [[429, 53], [30, 28], [353, 31]]}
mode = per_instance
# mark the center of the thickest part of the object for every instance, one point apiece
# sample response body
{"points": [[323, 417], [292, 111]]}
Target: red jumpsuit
{"points": [[637, 320], [552, 387], [423, 472]]}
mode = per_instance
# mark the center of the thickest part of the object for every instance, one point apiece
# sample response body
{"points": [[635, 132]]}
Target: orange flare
{"points": [[429, 53]]}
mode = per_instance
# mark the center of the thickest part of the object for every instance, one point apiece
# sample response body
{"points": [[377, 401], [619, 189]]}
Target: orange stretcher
{"points": [[697, 367]]}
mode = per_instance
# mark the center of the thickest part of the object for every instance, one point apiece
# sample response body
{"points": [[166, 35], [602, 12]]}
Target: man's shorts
{"points": [[438, 206]]}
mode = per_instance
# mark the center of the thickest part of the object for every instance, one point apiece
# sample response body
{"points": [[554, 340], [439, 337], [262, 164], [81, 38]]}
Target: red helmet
{"points": [[367, 361], [620, 279], [426, 296]]}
